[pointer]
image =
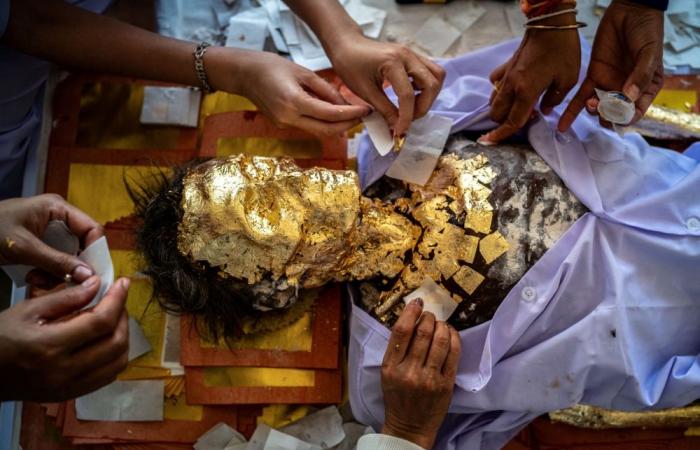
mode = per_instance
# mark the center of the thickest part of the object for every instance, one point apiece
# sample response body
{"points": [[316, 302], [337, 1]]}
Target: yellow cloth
{"points": [[257, 377]]}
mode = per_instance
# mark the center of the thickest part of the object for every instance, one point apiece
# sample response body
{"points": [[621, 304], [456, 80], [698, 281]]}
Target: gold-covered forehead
{"points": [[250, 215]]}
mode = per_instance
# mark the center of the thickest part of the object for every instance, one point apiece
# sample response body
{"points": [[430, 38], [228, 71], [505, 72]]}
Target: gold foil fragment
{"points": [[493, 246], [479, 220], [379, 243], [457, 298], [432, 211], [687, 121], [468, 279], [252, 216], [398, 143]]}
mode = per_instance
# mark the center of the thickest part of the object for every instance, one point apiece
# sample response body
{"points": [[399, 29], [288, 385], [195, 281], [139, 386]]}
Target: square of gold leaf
{"points": [[479, 220], [468, 279], [493, 246]]}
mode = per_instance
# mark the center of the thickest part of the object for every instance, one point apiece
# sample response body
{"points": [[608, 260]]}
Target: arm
{"points": [[70, 36], [627, 56], [418, 377], [546, 64], [365, 64]]}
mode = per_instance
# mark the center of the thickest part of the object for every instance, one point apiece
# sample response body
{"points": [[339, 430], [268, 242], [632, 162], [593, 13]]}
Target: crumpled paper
{"points": [[323, 429]]}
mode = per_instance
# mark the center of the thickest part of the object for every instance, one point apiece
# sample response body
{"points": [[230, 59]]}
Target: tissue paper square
{"points": [[424, 144]]}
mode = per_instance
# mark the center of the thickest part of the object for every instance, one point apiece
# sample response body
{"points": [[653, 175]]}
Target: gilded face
{"points": [[258, 217]]}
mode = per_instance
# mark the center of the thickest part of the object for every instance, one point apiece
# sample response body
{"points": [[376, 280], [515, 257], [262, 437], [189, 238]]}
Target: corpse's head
{"points": [[243, 237]]}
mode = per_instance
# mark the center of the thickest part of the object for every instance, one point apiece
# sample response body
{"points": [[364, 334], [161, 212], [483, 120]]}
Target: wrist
{"points": [[336, 41], [228, 69], [421, 437]]}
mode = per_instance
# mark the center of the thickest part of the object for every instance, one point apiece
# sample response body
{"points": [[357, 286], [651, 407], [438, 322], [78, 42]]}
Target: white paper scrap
{"points": [[57, 235], [241, 446], [138, 344], [248, 31], [277, 440], [219, 437], [259, 437], [353, 432], [134, 401], [170, 106], [435, 299], [97, 256], [425, 141], [379, 132], [462, 15], [323, 428], [436, 35], [170, 358]]}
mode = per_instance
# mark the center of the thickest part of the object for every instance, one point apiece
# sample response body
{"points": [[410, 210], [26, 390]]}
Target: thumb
{"points": [[641, 75], [59, 264], [64, 302]]}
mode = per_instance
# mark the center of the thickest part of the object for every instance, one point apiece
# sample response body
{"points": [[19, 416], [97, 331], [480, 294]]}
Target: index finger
{"points": [[518, 117], [402, 332], [318, 109], [586, 91], [79, 223], [398, 78], [95, 323]]}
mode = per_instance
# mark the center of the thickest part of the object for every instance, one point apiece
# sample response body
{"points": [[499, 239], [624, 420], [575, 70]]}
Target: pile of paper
{"points": [[259, 25], [323, 429], [682, 37]]}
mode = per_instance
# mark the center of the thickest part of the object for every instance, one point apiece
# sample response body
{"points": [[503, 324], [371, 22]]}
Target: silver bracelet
{"points": [[198, 54]]}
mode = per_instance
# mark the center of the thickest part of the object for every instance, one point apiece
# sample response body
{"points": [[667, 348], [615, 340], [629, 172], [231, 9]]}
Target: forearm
{"points": [[78, 39], [328, 19]]}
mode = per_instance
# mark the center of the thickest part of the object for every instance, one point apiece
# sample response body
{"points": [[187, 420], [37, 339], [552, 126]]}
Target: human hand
{"points": [[418, 375], [50, 353], [290, 95], [23, 222], [364, 64], [547, 61], [627, 56]]}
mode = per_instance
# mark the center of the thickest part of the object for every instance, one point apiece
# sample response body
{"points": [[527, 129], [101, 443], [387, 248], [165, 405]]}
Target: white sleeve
{"points": [[385, 442]]}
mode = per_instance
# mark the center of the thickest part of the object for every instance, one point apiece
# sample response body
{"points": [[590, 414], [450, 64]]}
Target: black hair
{"points": [[179, 285]]}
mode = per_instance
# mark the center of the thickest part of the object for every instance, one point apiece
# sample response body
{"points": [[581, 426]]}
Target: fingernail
{"points": [[125, 283], [484, 140], [418, 301], [90, 282], [632, 92], [82, 273]]}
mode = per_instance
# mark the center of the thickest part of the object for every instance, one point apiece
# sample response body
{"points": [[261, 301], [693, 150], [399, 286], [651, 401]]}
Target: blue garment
{"points": [[22, 81], [609, 316]]}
